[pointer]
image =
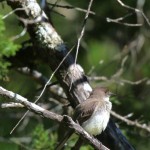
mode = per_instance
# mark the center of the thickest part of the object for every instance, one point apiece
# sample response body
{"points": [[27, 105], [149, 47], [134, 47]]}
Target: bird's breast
{"points": [[97, 122]]}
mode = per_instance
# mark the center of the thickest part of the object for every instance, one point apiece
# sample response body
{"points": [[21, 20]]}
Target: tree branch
{"points": [[53, 116], [30, 106], [44, 36], [129, 122]]}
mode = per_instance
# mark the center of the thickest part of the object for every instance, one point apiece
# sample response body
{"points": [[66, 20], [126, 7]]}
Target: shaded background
{"points": [[116, 52]]}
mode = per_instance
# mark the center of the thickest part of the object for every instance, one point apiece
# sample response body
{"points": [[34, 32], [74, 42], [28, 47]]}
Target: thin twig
{"points": [[134, 82], [24, 31], [13, 129], [134, 9], [13, 11], [72, 7], [120, 71], [122, 18], [83, 29], [123, 23], [98, 78], [52, 75], [129, 122]]}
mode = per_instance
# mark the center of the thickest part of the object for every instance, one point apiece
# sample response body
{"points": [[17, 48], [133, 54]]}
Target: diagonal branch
{"points": [[53, 116], [29, 105]]}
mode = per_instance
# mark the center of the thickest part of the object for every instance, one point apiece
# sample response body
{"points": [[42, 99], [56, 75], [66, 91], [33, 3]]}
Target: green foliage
{"points": [[7, 48], [42, 139], [10, 145], [101, 51], [87, 147]]}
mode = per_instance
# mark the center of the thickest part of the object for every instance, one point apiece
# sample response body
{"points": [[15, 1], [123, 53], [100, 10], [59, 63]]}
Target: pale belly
{"points": [[97, 123]]}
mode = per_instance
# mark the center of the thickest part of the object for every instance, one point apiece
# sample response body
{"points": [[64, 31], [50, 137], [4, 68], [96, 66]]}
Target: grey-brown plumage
{"points": [[92, 114]]}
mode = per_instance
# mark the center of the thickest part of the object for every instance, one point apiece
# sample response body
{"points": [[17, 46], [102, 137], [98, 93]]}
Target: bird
{"points": [[92, 114]]}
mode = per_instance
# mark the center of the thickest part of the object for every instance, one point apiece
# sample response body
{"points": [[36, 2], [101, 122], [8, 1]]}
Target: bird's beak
{"points": [[112, 94]]}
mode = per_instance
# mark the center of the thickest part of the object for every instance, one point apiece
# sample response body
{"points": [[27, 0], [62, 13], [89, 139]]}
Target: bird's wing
{"points": [[83, 113]]}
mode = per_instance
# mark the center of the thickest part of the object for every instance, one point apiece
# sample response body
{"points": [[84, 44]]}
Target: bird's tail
{"points": [[64, 140]]}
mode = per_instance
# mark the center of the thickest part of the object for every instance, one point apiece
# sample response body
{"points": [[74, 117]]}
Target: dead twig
{"points": [[129, 122]]}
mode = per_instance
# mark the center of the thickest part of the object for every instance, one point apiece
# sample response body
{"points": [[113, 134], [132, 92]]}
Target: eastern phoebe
{"points": [[92, 114]]}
